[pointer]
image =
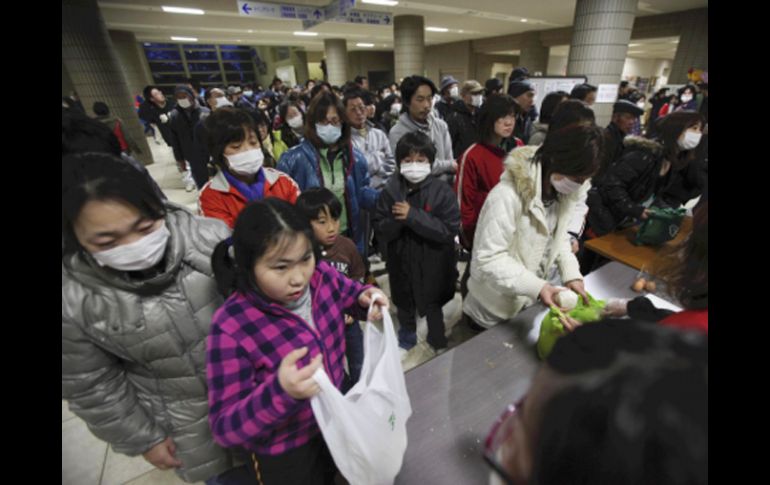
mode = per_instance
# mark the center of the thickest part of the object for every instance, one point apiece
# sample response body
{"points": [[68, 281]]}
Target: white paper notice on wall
{"points": [[607, 93]]}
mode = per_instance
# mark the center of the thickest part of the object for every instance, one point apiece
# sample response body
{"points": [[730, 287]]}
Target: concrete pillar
{"points": [[94, 68], [129, 51], [600, 37], [409, 45], [693, 48], [300, 67], [336, 51], [534, 55]]}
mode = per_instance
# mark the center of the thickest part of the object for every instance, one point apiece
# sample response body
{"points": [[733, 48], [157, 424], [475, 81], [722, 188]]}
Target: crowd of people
{"points": [[200, 333]]}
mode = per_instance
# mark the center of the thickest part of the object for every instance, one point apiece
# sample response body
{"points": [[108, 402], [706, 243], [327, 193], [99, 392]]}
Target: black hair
{"points": [[415, 142], [669, 128], [633, 409], [497, 106], [80, 133], [312, 201], [353, 94], [101, 176], [316, 112], [385, 105], [224, 126], [319, 87], [581, 91], [259, 227], [349, 86], [360, 79], [573, 149], [623, 84], [147, 91], [410, 85], [571, 111], [101, 109], [549, 104]]}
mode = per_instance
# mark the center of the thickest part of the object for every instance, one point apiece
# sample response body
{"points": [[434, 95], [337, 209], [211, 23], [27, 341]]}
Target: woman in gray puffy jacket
{"points": [[138, 294]]}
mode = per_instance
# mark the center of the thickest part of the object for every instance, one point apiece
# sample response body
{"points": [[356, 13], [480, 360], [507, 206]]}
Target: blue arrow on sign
{"points": [[246, 8], [317, 14]]}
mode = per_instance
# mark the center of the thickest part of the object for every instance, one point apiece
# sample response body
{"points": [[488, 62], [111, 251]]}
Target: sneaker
{"points": [[189, 187], [420, 353], [375, 259]]}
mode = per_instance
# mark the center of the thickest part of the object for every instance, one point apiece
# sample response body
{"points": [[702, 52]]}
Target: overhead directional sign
{"points": [[337, 11]]}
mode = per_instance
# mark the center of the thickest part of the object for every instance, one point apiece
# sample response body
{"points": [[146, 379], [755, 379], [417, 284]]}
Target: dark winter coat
{"points": [[462, 128]]}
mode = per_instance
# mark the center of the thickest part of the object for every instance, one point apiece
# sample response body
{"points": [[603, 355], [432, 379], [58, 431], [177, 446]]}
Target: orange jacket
{"points": [[221, 200]]}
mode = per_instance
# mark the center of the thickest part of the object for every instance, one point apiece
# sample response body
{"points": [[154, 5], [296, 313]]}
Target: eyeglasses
{"points": [[357, 109], [501, 433]]}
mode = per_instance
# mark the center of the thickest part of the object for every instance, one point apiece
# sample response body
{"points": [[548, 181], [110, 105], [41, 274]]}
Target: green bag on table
{"points": [[662, 225], [551, 328]]}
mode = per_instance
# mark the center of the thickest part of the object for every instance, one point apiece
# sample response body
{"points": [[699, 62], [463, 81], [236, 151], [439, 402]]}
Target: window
{"points": [[163, 55], [172, 64], [235, 56], [203, 67], [208, 78], [200, 55], [166, 67]]}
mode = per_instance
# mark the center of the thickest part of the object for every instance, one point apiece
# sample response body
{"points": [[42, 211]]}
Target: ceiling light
{"points": [[189, 11], [436, 29], [364, 44], [306, 34], [185, 39], [388, 3], [524, 20]]}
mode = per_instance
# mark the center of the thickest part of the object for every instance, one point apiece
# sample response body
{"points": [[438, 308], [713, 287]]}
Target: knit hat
{"points": [[519, 73], [493, 84], [185, 89], [517, 88]]}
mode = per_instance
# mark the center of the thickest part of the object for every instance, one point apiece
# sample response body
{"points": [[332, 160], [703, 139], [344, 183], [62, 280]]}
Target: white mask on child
{"points": [[139, 255], [415, 172], [246, 163]]}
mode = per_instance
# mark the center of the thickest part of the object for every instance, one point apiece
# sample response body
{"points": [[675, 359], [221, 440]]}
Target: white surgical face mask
{"points": [[246, 163], [248, 93], [184, 103], [640, 104], [295, 122], [139, 255], [395, 109], [222, 102], [477, 100], [689, 140], [415, 172], [454, 91], [565, 185], [385, 94], [329, 134], [686, 98]]}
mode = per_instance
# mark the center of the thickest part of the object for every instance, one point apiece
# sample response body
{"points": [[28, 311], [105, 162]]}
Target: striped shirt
{"points": [[249, 338]]}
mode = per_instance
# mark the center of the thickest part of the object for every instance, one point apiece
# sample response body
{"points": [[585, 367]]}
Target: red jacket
{"points": [[689, 319], [480, 168], [221, 200]]}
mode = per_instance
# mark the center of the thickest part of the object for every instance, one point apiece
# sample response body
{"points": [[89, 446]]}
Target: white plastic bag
{"points": [[365, 429]]}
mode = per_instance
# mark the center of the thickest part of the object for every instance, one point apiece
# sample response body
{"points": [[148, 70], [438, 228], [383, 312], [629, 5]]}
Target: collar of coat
{"points": [[219, 181], [642, 143]]}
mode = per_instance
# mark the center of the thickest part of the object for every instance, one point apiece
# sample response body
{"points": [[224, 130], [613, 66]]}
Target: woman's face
{"points": [[504, 126], [284, 271], [250, 142], [292, 112], [106, 224], [262, 131]]}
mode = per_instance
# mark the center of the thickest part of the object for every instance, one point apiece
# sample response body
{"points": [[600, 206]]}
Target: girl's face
{"points": [[250, 142], [106, 224], [292, 112], [262, 131], [326, 228], [504, 126], [284, 271]]}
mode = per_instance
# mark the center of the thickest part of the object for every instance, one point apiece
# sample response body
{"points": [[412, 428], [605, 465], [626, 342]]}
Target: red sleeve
{"points": [[212, 205], [286, 188], [689, 320], [469, 213]]}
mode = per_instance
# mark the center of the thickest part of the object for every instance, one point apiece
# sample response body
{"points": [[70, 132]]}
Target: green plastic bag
{"points": [[662, 225], [551, 328]]}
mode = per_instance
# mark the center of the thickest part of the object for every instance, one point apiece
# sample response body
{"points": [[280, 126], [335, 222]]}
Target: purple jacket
{"points": [[249, 337]]}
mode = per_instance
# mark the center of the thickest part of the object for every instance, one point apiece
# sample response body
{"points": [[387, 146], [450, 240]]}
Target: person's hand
{"points": [[578, 287], [645, 215], [400, 210], [162, 455], [455, 167], [181, 165], [568, 322], [299, 383], [547, 294], [575, 246], [349, 320], [380, 305], [616, 308], [163, 118]]}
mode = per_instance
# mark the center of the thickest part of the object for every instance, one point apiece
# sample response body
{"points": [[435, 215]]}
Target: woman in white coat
{"points": [[521, 237]]}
